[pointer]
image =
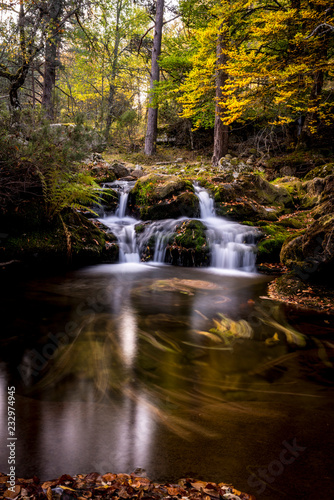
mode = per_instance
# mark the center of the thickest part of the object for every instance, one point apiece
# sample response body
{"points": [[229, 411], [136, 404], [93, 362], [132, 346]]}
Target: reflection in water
{"points": [[127, 335], [150, 370]]}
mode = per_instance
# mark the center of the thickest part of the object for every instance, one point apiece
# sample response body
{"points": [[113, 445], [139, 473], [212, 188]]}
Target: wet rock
{"points": [[158, 196], [184, 205], [188, 246]]}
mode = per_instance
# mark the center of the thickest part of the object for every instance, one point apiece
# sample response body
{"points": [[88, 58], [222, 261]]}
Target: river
{"points": [[178, 372], [115, 368]]}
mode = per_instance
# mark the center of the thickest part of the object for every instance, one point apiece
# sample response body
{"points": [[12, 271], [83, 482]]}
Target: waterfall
{"points": [[122, 226], [232, 244]]}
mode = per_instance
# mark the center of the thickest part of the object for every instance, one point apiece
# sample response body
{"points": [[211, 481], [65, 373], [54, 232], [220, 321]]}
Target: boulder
{"points": [[184, 205], [189, 247], [186, 245], [158, 196], [311, 255], [250, 197], [119, 169], [317, 191]]}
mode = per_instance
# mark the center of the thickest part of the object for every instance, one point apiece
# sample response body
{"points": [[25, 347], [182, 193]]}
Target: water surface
{"points": [[181, 372]]}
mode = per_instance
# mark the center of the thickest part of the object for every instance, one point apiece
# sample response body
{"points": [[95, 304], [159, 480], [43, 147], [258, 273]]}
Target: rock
{"points": [[153, 188], [138, 172], [128, 178], [317, 191], [189, 246], [311, 255], [251, 197], [119, 169], [322, 171], [184, 205]]}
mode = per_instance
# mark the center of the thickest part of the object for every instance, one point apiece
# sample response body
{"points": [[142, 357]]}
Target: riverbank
{"points": [[293, 291], [115, 486]]}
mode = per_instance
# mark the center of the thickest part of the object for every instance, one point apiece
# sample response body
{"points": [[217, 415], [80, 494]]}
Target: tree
{"points": [[51, 48], [25, 29], [29, 30], [152, 117], [279, 62], [221, 131], [105, 68]]}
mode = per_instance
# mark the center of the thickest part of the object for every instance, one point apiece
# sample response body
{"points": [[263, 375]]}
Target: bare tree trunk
{"points": [[51, 49], [114, 70], [152, 118], [220, 145]]}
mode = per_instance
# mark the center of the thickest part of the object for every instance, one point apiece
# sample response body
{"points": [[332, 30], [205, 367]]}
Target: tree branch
{"points": [[151, 28]]}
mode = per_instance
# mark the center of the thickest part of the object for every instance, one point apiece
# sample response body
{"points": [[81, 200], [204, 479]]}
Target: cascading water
{"points": [[232, 244], [121, 226]]}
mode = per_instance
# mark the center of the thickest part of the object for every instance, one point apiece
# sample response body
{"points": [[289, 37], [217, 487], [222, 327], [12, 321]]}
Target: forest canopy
{"points": [[221, 65]]}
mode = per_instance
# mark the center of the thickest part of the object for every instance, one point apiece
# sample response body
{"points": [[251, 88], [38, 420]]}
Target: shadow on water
{"points": [[187, 373]]}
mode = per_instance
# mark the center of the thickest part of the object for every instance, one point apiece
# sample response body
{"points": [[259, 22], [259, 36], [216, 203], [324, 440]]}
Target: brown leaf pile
{"points": [[116, 486]]}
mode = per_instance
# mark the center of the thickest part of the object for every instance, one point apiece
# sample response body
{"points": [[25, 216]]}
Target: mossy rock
{"points": [[269, 248], [49, 245], [241, 211], [318, 190], [297, 163], [184, 205], [311, 255], [153, 188], [188, 246], [255, 188], [321, 171]]}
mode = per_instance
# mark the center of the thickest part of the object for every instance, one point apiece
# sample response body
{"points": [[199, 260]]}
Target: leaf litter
{"points": [[117, 486]]}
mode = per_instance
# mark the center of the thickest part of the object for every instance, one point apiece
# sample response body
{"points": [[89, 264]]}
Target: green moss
{"points": [[139, 228], [75, 241], [322, 171], [191, 234], [268, 250]]}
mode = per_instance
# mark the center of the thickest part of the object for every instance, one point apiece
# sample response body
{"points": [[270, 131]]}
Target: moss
{"points": [[76, 242], [322, 171], [268, 250], [292, 222], [184, 205], [188, 245], [191, 234], [139, 228], [269, 247]]}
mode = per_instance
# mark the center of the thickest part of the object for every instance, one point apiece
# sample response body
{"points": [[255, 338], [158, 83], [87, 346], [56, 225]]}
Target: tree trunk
{"points": [[220, 144], [152, 118], [51, 49], [110, 114], [311, 119], [114, 71]]}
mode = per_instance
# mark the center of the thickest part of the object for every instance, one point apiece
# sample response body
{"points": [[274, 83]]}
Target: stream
{"points": [[178, 372]]}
